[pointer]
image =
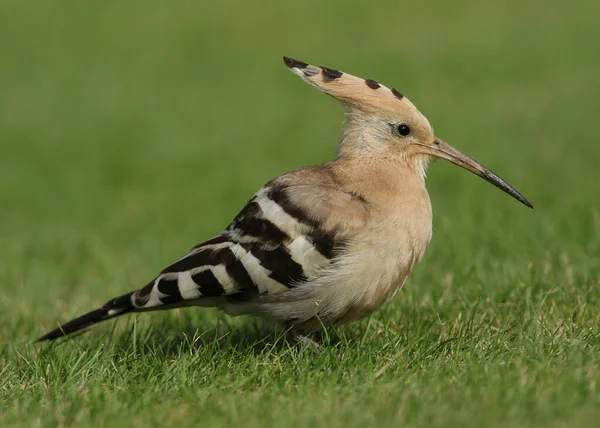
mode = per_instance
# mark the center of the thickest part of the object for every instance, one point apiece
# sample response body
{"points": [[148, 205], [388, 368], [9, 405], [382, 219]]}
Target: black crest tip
{"points": [[372, 84], [294, 63], [330, 74], [397, 94]]}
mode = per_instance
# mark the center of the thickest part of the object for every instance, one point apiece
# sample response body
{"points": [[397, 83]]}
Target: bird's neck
{"points": [[394, 189], [383, 176]]}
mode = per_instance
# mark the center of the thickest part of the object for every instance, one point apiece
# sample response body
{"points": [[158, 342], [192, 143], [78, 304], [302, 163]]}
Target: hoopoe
{"points": [[320, 245]]}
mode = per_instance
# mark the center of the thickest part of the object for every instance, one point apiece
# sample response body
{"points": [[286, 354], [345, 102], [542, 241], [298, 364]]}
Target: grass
{"points": [[129, 131]]}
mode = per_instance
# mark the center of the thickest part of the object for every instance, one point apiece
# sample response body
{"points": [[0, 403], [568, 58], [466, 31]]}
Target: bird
{"points": [[320, 245]]}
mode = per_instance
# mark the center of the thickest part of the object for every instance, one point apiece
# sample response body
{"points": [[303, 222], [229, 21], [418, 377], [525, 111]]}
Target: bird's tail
{"points": [[113, 308]]}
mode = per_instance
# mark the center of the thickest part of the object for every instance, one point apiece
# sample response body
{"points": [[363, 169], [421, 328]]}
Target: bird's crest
{"points": [[365, 95]]}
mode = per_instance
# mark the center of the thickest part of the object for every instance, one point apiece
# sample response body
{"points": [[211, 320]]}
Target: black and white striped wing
{"points": [[284, 237], [272, 245]]}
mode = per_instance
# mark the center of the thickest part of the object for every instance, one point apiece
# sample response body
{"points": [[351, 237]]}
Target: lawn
{"points": [[130, 131]]}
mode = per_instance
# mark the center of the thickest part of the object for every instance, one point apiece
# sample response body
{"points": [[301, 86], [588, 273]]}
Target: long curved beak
{"points": [[443, 150]]}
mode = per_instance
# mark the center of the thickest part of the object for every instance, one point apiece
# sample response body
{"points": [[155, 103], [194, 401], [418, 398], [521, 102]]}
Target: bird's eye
{"points": [[403, 129]]}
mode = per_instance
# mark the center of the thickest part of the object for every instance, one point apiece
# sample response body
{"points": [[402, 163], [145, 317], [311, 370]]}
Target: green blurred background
{"points": [[131, 130]]}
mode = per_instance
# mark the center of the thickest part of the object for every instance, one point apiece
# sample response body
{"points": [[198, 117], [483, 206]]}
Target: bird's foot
{"points": [[304, 340]]}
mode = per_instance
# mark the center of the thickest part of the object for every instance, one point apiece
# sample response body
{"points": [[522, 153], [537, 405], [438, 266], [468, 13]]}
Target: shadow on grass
{"points": [[170, 337]]}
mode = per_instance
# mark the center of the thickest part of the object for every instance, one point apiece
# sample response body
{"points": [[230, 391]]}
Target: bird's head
{"points": [[383, 122]]}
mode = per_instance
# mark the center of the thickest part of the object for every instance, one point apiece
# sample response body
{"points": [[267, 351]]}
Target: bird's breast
{"points": [[376, 264]]}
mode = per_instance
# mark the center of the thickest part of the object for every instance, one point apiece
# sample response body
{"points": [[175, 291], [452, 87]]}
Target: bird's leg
{"points": [[304, 340]]}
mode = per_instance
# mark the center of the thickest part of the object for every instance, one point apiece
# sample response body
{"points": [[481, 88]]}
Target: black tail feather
{"points": [[113, 308]]}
